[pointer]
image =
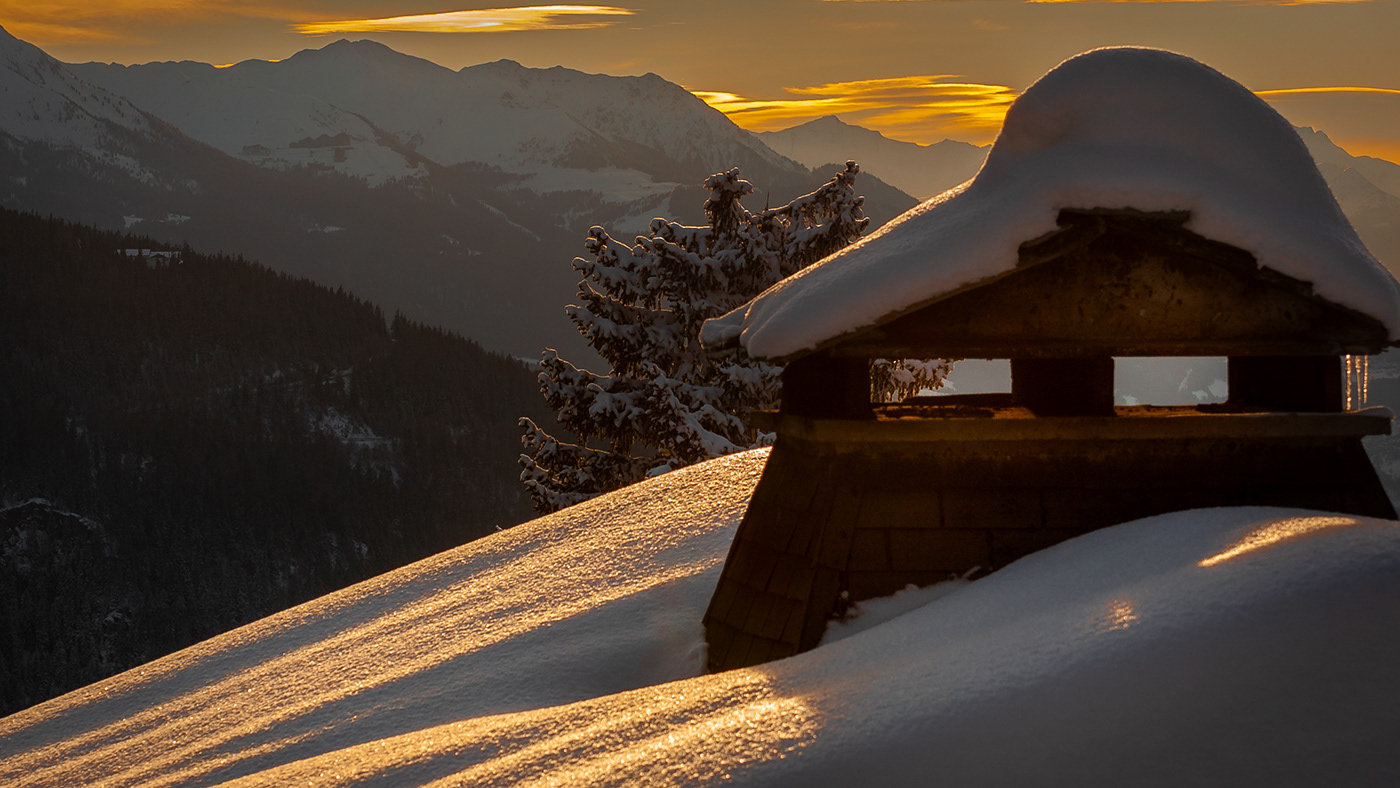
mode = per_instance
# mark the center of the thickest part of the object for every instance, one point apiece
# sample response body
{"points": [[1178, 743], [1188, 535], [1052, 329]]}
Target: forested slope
{"points": [[189, 446]]}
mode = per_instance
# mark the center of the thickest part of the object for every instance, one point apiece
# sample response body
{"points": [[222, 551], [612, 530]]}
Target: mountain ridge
{"points": [[920, 170], [499, 114], [481, 248]]}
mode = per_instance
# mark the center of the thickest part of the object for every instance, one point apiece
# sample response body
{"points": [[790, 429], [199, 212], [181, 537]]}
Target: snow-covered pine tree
{"points": [[667, 402]]}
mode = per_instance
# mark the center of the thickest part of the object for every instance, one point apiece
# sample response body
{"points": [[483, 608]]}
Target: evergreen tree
{"points": [[666, 401]]}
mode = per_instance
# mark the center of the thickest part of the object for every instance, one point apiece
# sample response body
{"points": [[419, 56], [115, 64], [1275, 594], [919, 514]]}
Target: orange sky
{"points": [[919, 71]]}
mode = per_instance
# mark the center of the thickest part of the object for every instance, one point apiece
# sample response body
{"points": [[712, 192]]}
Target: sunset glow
{"points": [[916, 108], [486, 20], [822, 48], [1286, 92], [1119, 614], [926, 109], [652, 736], [1353, 116], [73, 22]]}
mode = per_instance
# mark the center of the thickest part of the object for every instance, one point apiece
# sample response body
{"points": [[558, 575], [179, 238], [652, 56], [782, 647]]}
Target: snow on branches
{"points": [[666, 401]]}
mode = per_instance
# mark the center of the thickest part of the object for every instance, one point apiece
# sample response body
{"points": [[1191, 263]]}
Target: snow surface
{"points": [[600, 598], [1111, 128], [241, 115], [1214, 647], [45, 101]]}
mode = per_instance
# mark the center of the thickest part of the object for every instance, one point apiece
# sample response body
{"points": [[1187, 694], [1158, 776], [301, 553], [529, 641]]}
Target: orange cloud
{"points": [[1284, 93], [487, 20], [916, 108], [51, 22], [927, 109], [1360, 119]]}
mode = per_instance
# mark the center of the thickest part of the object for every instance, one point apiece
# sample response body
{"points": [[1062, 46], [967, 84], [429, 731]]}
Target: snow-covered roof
{"points": [[1111, 128], [1217, 647]]}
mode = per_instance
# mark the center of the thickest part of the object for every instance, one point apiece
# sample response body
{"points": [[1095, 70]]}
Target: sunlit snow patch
{"points": [[1116, 658], [599, 598]]}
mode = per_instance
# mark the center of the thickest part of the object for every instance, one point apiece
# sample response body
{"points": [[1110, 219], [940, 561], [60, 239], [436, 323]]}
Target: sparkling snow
{"points": [[1214, 647], [603, 597], [1112, 128]]}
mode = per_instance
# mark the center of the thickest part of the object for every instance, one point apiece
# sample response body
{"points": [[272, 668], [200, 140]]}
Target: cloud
{"points": [[488, 20], [1360, 119], [50, 22], [57, 22], [1285, 93], [916, 108], [927, 109]]}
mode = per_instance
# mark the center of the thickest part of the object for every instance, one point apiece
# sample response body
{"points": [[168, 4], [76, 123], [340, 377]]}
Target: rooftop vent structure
{"points": [[1136, 203]]}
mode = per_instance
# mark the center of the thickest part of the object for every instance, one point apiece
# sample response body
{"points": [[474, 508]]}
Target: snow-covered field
{"points": [[1215, 647]]}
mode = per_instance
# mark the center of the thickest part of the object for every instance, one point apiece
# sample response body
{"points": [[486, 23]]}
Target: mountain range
{"points": [[920, 170], [458, 197], [390, 115]]}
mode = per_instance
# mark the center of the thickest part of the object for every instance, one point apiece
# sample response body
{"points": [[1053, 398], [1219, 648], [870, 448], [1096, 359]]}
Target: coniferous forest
{"points": [[190, 444]]}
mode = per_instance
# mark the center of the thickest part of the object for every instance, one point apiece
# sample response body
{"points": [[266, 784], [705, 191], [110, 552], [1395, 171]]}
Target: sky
{"points": [[917, 70]]}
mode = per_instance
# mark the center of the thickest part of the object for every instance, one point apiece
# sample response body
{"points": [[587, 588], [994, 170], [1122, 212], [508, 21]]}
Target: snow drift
{"points": [[1112, 128], [1216, 647]]}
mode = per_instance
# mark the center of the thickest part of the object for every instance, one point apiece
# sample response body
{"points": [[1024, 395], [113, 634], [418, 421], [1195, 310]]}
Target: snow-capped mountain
{"points": [[920, 170], [1383, 174], [45, 102], [230, 110], [363, 109], [75, 150], [458, 198], [1367, 188]]}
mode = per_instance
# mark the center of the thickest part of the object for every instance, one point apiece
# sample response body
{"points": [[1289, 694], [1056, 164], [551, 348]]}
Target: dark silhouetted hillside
{"points": [[188, 446]]}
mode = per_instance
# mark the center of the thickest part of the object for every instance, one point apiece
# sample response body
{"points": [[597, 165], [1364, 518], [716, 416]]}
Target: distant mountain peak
{"points": [[361, 51], [920, 170], [362, 45], [45, 100], [10, 47]]}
